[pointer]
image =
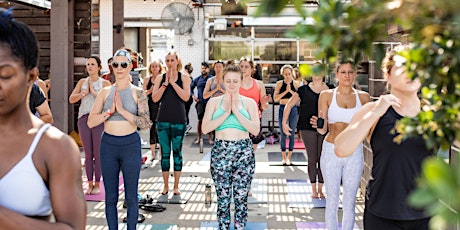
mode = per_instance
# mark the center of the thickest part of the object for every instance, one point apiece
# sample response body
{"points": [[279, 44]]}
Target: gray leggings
{"points": [[335, 169]]}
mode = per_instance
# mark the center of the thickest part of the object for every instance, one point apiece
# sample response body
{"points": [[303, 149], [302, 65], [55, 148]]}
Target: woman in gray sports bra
{"points": [[122, 108]]}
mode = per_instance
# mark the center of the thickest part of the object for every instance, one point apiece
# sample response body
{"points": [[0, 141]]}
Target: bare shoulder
{"points": [[248, 100], [364, 97], [106, 83], [327, 93], [59, 146]]}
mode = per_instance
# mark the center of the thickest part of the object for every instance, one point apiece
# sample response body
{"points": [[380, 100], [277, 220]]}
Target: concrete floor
{"points": [[276, 213]]}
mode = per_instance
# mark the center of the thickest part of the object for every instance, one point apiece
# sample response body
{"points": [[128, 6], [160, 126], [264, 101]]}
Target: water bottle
{"points": [[207, 194], [201, 145]]}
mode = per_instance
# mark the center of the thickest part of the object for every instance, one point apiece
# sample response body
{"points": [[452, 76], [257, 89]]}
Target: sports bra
{"points": [[23, 188], [337, 114], [127, 99], [231, 121]]}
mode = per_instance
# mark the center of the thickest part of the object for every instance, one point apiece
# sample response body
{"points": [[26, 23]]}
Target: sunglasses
{"points": [[123, 65]]}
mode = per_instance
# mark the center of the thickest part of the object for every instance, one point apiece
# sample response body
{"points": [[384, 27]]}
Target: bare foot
{"points": [[95, 190], [210, 141], [89, 190], [197, 141], [315, 195], [176, 192], [165, 191], [321, 195]]}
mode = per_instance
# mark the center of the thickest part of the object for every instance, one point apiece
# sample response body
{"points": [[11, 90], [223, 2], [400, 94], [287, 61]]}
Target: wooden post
{"points": [[61, 61], [118, 21]]}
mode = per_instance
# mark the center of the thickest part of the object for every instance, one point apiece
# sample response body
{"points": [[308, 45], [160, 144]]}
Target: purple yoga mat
{"points": [[101, 195], [316, 226]]}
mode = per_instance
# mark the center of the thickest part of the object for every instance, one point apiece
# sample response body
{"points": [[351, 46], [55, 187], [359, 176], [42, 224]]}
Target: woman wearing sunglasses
{"points": [[86, 91], [122, 108], [172, 89]]}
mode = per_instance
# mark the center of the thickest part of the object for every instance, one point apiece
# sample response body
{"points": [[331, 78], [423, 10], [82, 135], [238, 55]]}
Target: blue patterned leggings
{"points": [[232, 168]]}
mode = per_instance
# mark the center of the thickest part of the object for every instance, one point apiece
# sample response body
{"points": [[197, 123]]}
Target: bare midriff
{"points": [[119, 128], [284, 101], [231, 134], [334, 130]]}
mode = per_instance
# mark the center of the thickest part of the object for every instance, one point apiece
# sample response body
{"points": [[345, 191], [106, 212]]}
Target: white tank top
{"points": [[23, 189], [338, 114]]}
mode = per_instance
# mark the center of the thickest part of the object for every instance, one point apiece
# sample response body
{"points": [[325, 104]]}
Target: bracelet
{"points": [[163, 86]]}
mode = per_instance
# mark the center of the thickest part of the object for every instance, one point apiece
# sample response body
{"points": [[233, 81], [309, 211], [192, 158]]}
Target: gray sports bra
{"points": [[126, 98]]}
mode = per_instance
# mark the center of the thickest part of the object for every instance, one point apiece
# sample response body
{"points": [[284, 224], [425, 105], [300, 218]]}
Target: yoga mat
{"points": [[299, 195], [122, 226], [259, 192], [297, 144], [297, 159], [101, 195], [316, 226], [187, 186], [205, 143], [206, 160], [249, 226]]}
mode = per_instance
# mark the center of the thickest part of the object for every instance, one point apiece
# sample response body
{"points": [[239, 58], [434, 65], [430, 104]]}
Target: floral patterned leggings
{"points": [[232, 168]]}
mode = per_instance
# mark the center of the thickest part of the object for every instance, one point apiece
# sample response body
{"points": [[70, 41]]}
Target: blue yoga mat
{"points": [[249, 226], [123, 226], [299, 195], [317, 226]]}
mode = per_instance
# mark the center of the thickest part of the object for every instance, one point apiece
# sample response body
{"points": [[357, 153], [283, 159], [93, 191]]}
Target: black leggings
{"points": [[313, 142], [374, 222]]}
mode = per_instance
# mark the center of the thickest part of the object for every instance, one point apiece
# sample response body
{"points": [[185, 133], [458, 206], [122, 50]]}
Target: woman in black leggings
{"points": [[308, 95]]}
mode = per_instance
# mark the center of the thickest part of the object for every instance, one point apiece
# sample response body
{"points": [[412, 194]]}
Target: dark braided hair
{"points": [[19, 38]]}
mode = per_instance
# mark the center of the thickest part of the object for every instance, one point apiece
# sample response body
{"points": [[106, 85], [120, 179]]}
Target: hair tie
{"points": [[6, 18]]}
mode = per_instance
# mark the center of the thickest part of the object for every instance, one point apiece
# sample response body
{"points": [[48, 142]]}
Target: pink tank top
{"points": [[253, 93]]}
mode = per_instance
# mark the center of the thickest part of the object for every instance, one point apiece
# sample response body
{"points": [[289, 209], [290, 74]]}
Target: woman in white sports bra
{"points": [[337, 107], [40, 168]]}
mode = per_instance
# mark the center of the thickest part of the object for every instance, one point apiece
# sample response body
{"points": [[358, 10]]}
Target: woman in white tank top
{"points": [[336, 107]]}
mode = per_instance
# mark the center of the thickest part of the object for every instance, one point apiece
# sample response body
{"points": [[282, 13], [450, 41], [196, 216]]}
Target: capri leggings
{"points": [[91, 139], [232, 168], [349, 171], [153, 108], [313, 142], [171, 136]]}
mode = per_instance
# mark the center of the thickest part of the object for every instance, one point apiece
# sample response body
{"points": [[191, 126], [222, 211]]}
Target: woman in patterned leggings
{"points": [[233, 117], [172, 90]]}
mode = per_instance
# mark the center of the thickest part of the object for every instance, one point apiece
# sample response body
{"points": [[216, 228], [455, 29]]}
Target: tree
{"points": [[349, 29]]}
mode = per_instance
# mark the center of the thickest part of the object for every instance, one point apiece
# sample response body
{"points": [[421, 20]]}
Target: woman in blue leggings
{"points": [[233, 117], [336, 107], [122, 108]]}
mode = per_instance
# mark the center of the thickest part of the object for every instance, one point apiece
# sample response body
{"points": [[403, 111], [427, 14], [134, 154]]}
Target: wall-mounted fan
{"points": [[179, 17]]}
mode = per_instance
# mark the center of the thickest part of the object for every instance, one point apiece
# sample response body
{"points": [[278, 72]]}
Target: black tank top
{"points": [[283, 88], [153, 106], [172, 107], [395, 168], [308, 106]]}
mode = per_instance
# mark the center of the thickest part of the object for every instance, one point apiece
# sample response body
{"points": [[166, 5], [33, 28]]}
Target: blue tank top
{"points": [[231, 121], [127, 99]]}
